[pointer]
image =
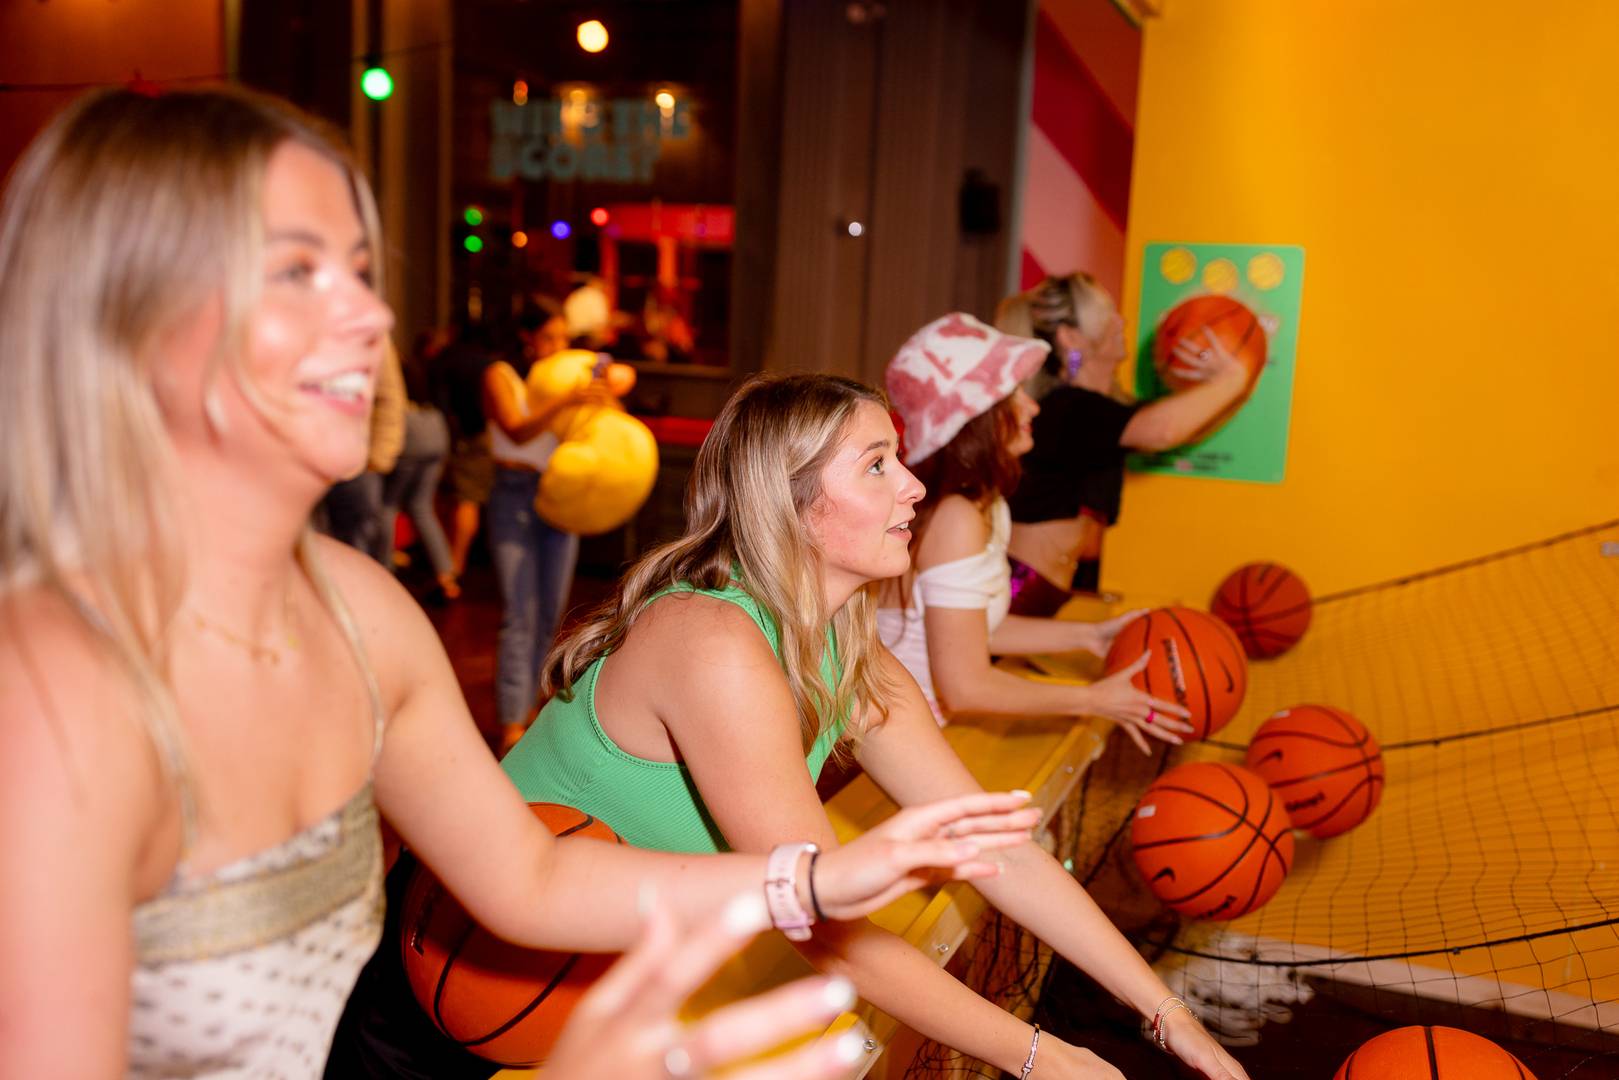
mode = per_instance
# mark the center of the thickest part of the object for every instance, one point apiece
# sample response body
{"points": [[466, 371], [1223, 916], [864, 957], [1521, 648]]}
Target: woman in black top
{"points": [[1072, 479]]}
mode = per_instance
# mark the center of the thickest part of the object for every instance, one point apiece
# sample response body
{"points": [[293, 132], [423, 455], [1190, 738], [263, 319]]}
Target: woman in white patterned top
{"points": [[205, 705]]}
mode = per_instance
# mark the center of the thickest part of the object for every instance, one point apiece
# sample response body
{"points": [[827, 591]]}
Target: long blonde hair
{"points": [[755, 481], [127, 216], [1075, 299]]}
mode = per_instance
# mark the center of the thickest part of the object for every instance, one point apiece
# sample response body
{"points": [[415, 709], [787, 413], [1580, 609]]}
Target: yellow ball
{"points": [[1265, 271], [1220, 276], [1177, 265]]}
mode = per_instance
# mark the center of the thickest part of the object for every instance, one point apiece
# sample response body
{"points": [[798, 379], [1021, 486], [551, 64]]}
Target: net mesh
{"points": [[1484, 890]]}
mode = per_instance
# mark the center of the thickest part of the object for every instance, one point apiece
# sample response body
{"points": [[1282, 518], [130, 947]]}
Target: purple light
{"points": [[560, 230]]}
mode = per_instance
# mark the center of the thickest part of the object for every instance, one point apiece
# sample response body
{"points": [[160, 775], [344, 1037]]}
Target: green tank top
{"points": [[567, 758]]}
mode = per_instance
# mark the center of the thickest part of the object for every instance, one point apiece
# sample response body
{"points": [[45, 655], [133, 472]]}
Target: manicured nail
{"points": [[838, 994], [1022, 794], [850, 1047], [746, 914], [646, 898]]}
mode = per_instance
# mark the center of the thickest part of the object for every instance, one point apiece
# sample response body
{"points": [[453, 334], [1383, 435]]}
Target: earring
{"points": [[1073, 357]]}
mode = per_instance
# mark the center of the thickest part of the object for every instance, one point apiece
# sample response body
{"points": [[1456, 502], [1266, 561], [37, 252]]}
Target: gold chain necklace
{"points": [[259, 652]]}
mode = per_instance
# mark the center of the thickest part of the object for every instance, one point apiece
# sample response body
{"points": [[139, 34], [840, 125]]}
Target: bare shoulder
{"points": [[381, 606], [688, 629], [395, 631], [73, 747], [958, 529]]}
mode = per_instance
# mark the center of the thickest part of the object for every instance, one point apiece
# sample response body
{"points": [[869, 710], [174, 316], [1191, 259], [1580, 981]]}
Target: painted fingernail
{"points": [[646, 898], [839, 994], [1020, 793], [746, 914], [849, 1048]]}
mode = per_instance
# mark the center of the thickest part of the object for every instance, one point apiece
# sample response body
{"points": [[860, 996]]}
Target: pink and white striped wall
{"points": [[1076, 189]]}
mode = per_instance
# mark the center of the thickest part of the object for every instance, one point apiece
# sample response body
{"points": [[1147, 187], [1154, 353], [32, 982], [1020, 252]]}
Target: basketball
{"points": [[1211, 841], [1232, 322], [1431, 1053], [1267, 605], [496, 999], [1325, 764], [1196, 663]]}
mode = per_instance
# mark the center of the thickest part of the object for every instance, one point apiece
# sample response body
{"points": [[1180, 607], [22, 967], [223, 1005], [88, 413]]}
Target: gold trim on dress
{"points": [[215, 918]]}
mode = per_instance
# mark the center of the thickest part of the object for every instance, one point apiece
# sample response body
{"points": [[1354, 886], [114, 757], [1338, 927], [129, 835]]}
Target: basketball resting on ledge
{"points": [[1267, 605], [1431, 1053], [1211, 841], [1324, 763], [1196, 662], [1233, 324], [498, 1000]]}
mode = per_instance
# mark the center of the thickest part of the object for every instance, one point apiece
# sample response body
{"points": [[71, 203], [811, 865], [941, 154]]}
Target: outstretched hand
{"points": [[628, 1025], [919, 846], [1118, 698], [1103, 633]]}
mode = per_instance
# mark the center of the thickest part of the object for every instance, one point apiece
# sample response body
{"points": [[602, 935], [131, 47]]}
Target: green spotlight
{"points": [[376, 83], [473, 216], [473, 244]]}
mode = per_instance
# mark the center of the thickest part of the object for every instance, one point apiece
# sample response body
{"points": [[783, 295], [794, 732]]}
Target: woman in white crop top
{"points": [[534, 561], [956, 386], [205, 706]]}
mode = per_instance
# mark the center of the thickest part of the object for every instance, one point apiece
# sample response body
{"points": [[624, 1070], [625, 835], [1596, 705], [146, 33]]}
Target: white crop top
{"points": [[536, 452], [982, 581]]}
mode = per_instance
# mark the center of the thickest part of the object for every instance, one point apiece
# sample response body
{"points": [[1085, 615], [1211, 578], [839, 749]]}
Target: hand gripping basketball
{"points": [[1200, 361], [919, 846], [1117, 698]]}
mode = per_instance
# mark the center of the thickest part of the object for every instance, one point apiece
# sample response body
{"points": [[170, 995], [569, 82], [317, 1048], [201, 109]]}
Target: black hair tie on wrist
{"points": [[815, 904]]}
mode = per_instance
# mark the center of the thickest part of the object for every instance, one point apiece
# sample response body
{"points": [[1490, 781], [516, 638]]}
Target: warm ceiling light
{"points": [[665, 100], [592, 36]]}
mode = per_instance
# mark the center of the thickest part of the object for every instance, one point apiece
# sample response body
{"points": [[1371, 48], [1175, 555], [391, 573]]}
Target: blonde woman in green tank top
{"points": [[695, 709]]}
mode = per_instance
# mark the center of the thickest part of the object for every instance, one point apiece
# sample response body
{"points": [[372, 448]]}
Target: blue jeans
{"points": [[534, 566], [414, 482]]}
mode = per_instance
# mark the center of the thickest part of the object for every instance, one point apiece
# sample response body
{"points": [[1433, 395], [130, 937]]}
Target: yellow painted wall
{"points": [[1451, 168]]}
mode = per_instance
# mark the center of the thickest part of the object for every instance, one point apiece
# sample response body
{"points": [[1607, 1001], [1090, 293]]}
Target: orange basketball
{"points": [[1325, 765], [1232, 322], [1431, 1053], [499, 1001], [1211, 841], [1267, 605], [1196, 662]]}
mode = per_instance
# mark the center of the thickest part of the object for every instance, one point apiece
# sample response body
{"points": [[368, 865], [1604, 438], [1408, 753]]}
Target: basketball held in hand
{"points": [[1211, 841], [497, 1000], [1324, 763], [1267, 605], [1236, 327], [1196, 662]]}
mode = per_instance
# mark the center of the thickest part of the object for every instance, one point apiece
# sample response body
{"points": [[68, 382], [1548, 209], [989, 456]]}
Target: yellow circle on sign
{"points": [[1265, 271], [1220, 276], [1177, 265]]}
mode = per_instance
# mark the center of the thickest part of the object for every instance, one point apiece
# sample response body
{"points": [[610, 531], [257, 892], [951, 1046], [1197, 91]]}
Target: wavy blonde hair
{"points": [[125, 218], [1075, 299], [755, 481]]}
